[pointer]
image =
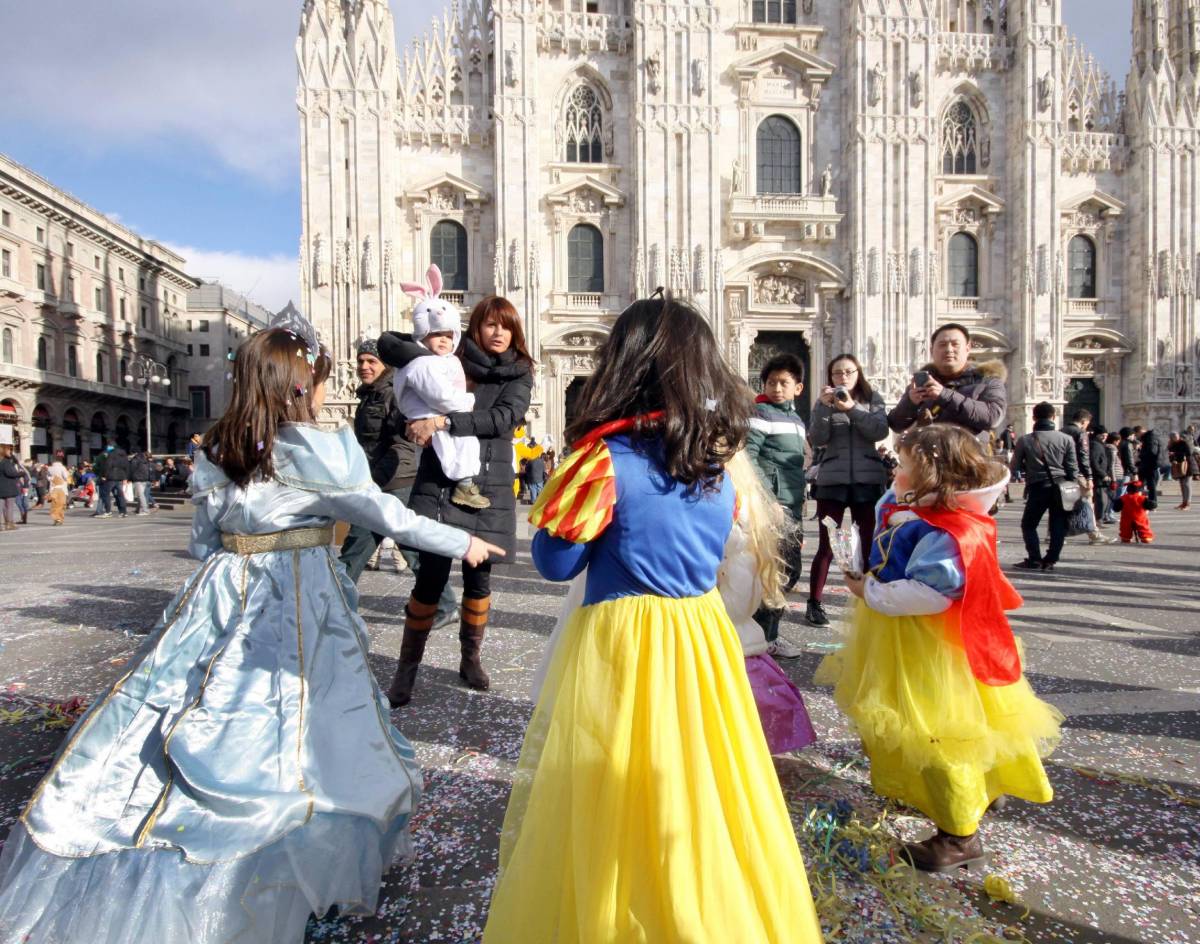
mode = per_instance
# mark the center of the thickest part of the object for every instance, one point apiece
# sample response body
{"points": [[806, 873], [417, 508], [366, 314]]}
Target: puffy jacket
{"points": [[139, 469], [976, 399], [10, 477], [1057, 448], [1083, 449], [1102, 468], [1153, 455], [116, 469], [776, 446], [849, 439], [503, 387], [379, 429]]}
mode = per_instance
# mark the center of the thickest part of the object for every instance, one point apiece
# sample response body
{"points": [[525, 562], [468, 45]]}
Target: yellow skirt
{"points": [[938, 739], [646, 807]]}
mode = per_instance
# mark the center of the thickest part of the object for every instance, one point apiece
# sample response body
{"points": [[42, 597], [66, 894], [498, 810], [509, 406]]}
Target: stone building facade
{"points": [[81, 299], [815, 175], [218, 321]]}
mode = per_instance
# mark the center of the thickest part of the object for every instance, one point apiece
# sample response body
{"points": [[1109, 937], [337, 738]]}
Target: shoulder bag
{"points": [[1069, 492]]}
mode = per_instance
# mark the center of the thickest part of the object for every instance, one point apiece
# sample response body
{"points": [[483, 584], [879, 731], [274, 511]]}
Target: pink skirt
{"points": [[780, 706]]}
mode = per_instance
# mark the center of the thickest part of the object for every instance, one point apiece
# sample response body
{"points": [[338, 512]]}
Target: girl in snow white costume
{"points": [[931, 673], [645, 807], [243, 772]]}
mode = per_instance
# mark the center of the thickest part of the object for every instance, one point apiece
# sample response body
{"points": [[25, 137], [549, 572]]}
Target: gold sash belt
{"points": [[289, 540]]}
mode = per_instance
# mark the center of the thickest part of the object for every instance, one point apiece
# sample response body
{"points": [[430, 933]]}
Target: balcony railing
{"points": [[969, 51], [1083, 307], [458, 299], [570, 30], [591, 301], [817, 217], [964, 304]]}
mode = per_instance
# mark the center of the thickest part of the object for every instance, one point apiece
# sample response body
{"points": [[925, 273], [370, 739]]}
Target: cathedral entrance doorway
{"points": [[1082, 394], [770, 343], [571, 400]]}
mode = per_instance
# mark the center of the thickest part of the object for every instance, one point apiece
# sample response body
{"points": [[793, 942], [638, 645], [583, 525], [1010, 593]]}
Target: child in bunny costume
{"points": [[433, 383]]}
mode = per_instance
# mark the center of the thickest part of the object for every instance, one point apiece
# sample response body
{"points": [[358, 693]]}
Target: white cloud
{"points": [[271, 281], [217, 74]]}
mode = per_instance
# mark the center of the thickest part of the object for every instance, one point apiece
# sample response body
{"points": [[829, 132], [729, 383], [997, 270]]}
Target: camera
{"points": [[921, 378], [842, 394]]}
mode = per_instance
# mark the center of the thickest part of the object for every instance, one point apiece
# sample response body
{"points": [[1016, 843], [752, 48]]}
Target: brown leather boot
{"points": [[470, 638], [944, 852], [418, 620]]}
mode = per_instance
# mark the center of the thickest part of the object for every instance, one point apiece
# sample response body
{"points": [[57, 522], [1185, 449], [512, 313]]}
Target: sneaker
{"points": [[106, 514], [470, 497], [781, 648], [814, 612], [1098, 537], [1047, 566], [123, 515], [1028, 564]]}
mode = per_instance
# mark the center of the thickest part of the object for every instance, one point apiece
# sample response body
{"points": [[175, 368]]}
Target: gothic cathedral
{"points": [[817, 176]]}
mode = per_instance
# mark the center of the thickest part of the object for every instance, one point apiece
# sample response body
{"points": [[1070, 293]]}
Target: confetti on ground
{"points": [[1115, 859]]}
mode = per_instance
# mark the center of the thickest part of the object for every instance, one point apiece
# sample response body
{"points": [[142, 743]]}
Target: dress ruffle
{"points": [[938, 739], [156, 895]]}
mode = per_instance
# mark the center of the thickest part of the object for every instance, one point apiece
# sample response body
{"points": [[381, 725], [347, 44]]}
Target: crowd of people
{"points": [[244, 772], [111, 478]]}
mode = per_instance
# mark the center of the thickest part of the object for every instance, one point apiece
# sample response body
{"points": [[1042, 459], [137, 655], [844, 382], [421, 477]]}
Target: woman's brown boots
{"points": [[470, 637], [418, 621]]}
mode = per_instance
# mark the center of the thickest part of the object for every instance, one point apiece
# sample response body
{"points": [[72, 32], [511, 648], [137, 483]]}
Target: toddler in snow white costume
{"points": [[931, 672]]}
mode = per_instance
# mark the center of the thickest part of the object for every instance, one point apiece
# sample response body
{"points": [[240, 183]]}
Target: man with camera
{"points": [[951, 389]]}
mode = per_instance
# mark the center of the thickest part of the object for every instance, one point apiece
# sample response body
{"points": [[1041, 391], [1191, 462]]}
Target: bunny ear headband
{"points": [[432, 289]]}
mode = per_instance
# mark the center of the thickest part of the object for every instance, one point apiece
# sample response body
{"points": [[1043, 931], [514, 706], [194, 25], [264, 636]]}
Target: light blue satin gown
{"points": [[242, 773]]}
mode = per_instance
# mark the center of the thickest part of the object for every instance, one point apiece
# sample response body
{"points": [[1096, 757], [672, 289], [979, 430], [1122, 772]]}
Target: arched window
{"points": [[584, 127], [959, 140], [964, 266], [585, 259], [448, 251], [1081, 257], [99, 367], [72, 360], [124, 370], [43, 359], [779, 156], [6, 351]]}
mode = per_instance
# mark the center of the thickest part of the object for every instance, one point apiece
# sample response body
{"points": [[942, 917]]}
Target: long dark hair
{"points": [[861, 391], [662, 355], [494, 306], [273, 382]]}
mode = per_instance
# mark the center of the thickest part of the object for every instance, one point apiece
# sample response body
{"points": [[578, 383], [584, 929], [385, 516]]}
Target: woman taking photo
{"points": [[847, 421], [500, 373]]}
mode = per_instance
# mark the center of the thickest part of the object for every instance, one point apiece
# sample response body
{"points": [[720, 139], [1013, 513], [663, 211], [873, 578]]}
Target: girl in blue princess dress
{"points": [[242, 774]]}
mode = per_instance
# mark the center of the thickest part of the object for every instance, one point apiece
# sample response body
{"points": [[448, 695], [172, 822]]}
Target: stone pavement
{"points": [[1112, 638]]}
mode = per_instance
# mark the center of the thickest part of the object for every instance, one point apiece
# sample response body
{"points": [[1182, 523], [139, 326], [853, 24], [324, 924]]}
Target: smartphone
{"points": [[921, 378]]}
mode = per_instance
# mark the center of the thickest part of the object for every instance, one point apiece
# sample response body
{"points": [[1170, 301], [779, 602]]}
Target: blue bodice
{"points": [[663, 539]]}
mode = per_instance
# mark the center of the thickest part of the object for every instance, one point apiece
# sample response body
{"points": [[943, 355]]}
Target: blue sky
{"points": [[179, 119]]}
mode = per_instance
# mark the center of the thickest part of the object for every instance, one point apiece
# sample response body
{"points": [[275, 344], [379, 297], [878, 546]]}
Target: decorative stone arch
{"points": [[969, 94], [566, 356], [764, 294], [1098, 355]]}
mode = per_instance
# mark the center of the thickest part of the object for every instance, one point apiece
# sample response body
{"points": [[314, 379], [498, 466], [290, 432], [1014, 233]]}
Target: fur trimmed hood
{"points": [[984, 370]]}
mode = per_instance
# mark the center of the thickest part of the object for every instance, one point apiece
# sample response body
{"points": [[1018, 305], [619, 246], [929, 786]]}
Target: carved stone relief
{"points": [[780, 290], [320, 264], [515, 274], [915, 272], [874, 276], [368, 263], [875, 80]]}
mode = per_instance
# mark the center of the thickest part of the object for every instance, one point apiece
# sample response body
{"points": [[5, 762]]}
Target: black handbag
{"points": [[1069, 492]]}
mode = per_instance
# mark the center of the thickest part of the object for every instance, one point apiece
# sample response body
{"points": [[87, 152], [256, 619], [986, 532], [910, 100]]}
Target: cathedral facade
{"points": [[816, 176]]}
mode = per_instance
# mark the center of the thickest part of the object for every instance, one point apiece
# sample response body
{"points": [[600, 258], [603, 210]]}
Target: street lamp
{"points": [[148, 372]]}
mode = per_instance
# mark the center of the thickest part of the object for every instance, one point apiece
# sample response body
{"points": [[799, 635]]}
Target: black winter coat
{"points": [[1153, 455], [1083, 449], [116, 469], [379, 429], [139, 469], [10, 477], [503, 387]]}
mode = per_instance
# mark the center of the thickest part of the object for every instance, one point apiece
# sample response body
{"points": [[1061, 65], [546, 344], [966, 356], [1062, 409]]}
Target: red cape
{"points": [[987, 637]]}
